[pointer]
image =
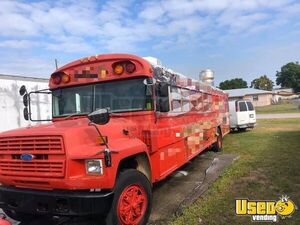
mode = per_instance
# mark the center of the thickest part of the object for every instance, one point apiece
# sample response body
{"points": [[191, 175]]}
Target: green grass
{"points": [[284, 107], [269, 166]]}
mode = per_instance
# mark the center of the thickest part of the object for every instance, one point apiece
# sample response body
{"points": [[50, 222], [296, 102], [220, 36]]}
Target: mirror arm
{"points": [[29, 107], [107, 152], [98, 131], [155, 99], [44, 91]]}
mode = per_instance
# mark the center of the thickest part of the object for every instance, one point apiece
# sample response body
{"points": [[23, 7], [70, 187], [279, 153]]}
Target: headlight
{"points": [[94, 166]]}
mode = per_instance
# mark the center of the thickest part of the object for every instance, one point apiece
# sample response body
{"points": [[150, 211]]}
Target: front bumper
{"points": [[60, 203], [248, 125]]}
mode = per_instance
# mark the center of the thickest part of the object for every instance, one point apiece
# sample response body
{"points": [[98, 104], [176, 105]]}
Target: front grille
{"points": [[38, 145], [38, 168], [48, 156]]}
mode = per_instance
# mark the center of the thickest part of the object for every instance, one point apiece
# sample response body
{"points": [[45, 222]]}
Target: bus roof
{"points": [[174, 78], [94, 65], [101, 57], [100, 68]]}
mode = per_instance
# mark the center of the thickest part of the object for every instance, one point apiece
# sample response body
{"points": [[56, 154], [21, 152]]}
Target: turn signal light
{"points": [[101, 141], [65, 78], [57, 78], [118, 69]]}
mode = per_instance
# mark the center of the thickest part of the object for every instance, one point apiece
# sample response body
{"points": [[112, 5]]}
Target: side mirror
{"points": [[100, 116], [149, 81], [22, 90], [25, 100], [163, 89], [163, 105], [25, 113]]}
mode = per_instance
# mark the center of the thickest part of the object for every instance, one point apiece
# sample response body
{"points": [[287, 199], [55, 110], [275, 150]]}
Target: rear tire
{"points": [[242, 129], [132, 199], [217, 146]]}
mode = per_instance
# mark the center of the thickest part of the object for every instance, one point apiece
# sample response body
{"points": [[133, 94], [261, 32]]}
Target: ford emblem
{"points": [[27, 157]]}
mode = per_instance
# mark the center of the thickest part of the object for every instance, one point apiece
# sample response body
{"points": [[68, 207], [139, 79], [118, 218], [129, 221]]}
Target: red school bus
{"points": [[119, 124]]}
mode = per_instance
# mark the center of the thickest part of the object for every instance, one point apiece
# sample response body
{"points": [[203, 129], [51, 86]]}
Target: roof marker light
{"points": [[56, 78], [103, 73]]}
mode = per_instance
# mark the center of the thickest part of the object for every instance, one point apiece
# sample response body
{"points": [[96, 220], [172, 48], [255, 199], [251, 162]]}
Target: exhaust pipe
{"points": [[207, 76]]}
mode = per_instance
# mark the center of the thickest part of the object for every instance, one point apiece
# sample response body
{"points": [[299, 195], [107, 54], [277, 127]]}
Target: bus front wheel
{"points": [[132, 199]]}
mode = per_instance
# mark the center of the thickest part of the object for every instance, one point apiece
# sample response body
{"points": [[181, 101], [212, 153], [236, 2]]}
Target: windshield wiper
{"points": [[74, 114]]}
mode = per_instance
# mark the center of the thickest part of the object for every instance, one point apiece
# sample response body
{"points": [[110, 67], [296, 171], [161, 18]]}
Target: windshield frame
{"points": [[147, 98]]}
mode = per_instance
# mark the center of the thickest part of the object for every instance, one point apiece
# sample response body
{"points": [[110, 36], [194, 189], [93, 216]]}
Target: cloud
{"points": [[13, 24], [162, 26], [69, 44], [26, 66], [152, 11], [114, 10], [70, 19], [238, 23], [114, 22], [18, 44]]}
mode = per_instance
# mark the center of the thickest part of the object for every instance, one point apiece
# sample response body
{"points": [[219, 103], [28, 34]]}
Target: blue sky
{"points": [[235, 38]]}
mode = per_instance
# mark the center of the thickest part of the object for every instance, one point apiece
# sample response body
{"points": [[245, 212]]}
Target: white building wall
{"points": [[11, 103]]}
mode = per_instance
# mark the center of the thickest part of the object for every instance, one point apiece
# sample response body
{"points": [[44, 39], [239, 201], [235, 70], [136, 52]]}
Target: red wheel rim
{"points": [[132, 205]]}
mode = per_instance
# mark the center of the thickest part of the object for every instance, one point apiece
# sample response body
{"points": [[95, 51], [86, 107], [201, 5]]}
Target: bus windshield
{"points": [[118, 96]]}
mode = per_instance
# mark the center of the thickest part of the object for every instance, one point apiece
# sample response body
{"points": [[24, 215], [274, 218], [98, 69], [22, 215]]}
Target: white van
{"points": [[242, 115]]}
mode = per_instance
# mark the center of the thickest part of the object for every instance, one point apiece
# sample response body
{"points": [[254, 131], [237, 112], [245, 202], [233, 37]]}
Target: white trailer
{"points": [[242, 115], [11, 103]]}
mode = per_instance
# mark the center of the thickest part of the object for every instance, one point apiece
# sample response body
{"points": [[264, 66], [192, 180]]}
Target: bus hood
{"points": [[80, 139]]}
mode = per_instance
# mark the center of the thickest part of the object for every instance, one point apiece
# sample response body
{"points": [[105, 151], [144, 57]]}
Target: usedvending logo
{"points": [[267, 211]]}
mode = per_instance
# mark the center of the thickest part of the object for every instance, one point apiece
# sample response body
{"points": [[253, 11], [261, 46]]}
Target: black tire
{"points": [[127, 179], [217, 146], [21, 217], [241, 129]]}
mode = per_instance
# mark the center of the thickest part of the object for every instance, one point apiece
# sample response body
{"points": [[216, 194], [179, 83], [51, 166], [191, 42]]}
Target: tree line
{"points": [[287, 77]]}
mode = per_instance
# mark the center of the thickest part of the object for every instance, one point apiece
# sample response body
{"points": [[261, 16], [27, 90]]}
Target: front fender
{"points": [[125, 148]]}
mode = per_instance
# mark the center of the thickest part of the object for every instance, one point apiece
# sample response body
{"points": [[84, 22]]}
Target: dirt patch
{"points": [[276, 129], [255, 176], [177, 192]]}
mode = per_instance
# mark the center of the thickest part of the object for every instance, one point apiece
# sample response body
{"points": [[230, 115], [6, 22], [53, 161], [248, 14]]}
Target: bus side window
{"points": [[207, 101], [176, 99], [195, 101], [185, 98]]}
